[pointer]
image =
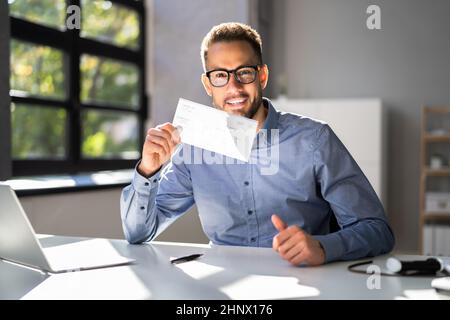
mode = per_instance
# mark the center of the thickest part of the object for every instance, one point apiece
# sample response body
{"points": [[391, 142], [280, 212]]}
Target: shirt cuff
{"points": [[144, 185], [332, 245]]}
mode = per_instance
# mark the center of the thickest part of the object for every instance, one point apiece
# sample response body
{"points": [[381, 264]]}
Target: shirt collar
{"points": [[264, 136], [271, 121]]}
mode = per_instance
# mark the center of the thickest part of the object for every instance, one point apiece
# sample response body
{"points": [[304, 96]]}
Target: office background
{"points": [[323, 50]]}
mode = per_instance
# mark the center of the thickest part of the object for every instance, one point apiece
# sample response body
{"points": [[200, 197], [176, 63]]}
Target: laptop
{"points": [[20, 245]]}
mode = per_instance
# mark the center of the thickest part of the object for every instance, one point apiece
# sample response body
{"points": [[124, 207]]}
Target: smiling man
{"points": [[317, 179]]}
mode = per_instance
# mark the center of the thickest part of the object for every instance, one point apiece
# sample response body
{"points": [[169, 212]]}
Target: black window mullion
{"points": [[73, 47], [109, 108], [136, 5], [27, 31], [41, 102], [143, 101], [101, 49], [73, 74]]}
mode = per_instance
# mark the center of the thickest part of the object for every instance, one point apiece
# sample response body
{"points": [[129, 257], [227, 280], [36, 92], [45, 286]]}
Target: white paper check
{"points": [[215, 130]]}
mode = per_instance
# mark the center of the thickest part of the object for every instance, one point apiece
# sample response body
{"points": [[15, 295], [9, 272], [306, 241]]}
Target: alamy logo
{"points": [[73, 17], [373, 21], [374, 280], [265, 154]]}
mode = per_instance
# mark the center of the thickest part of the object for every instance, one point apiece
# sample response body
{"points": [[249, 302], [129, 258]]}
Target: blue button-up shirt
{"points": [[298, 169]]}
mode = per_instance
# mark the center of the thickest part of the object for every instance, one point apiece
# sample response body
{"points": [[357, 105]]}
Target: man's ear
{"points": [[263, 76], [206, 84]]}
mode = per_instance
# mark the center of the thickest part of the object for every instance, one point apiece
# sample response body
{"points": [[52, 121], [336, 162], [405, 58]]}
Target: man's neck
{"points": [[261, 116]]}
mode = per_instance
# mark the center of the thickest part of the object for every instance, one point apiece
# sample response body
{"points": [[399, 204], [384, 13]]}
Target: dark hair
{"points": [[231, 31]]}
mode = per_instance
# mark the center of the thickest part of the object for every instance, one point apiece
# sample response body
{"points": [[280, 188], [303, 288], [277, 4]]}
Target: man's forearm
{"points": [[368, 237], [137, 206]]}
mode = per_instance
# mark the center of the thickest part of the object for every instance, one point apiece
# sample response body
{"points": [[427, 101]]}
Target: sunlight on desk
{"points": [[198, 270], [223, 272], [109, 283], [258, 287], [183, 244], [91, 252], [425, 294], [44, 236]]}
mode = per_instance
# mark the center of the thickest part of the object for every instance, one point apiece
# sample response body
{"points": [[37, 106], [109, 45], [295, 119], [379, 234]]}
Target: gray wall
{"points": [[84, 214], [5, 163], [94, 214], [329, 53], [178, 29]]}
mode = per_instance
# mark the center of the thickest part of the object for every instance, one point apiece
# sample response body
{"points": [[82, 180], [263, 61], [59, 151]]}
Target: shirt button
{"points": [[155, 180], [146, 183], [246, 183], [253, 239], [249, 212], [142, 208]]}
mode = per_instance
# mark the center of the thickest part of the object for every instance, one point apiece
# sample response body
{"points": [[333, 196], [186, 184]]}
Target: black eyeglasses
{"points": [[244, 75]]}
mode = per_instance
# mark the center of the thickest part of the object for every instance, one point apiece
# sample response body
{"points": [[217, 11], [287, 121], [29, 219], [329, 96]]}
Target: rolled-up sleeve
{"points": [[149, 205], [364, 228]]}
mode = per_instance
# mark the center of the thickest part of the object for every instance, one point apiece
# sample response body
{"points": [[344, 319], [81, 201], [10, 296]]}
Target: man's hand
{"points": [[160, 143], [295, 245]]}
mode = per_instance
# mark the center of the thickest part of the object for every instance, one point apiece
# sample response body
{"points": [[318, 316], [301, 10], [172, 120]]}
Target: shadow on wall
{"points": [[185, 229]]}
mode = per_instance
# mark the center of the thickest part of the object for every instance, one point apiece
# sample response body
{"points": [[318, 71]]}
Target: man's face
{"points": [[234, 97]]}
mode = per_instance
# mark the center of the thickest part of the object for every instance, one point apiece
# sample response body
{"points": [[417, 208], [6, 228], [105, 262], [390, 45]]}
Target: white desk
{"points": [[222, 273]]}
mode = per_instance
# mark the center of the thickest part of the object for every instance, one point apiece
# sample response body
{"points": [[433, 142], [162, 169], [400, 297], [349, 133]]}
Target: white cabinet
{"points": [[434, 222], [436, 240], [359, 124]]}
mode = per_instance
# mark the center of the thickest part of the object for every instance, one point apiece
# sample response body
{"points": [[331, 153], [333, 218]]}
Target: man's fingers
{"points": [[278, 223], [155, 132], [293, 252], [160, 133], [279, 239], [158, 149], [162, 142], [289, 247], [173, 132], [299, 258], [283, 236], [176, 135], [288, 238], [166, 126]]}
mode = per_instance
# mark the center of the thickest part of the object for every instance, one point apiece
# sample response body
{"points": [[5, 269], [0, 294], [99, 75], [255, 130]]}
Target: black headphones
{"points": [[429, 267]]}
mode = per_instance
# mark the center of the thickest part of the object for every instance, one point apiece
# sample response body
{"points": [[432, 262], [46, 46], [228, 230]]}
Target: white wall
{"points": [[347, 117]]}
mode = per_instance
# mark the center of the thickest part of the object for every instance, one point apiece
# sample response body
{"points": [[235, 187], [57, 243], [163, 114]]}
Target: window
{"points": [[78, 95]]}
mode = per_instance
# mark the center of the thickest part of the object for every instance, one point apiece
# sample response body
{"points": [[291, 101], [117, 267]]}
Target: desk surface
{"points": [[221, 273]]}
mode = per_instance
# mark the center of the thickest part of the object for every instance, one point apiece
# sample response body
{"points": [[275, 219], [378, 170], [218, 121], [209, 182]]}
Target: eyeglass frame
{"points": [[233, 71]]}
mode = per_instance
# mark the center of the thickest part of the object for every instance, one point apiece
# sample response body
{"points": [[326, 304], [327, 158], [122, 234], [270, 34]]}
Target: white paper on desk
{"points": [[215, 130]]}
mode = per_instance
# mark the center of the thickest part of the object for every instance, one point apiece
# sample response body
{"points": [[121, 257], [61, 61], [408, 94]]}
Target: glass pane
{"points": [[38, 132], [108, 81], [51, 13], [110, 22], [108, 134], [36, 70]]}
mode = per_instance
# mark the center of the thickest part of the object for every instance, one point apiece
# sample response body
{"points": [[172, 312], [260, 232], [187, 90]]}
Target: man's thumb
{"points": [[278, 223]]}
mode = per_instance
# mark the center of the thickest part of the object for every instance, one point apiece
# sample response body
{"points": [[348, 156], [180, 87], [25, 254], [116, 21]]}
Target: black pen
{"points": [[186, 258]]}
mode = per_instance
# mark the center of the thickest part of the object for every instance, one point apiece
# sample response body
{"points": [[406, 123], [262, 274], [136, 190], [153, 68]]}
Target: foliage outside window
{"points": [[77, 96]]}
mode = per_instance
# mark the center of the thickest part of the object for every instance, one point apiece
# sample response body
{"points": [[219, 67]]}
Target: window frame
{"points": [[73, 46]]}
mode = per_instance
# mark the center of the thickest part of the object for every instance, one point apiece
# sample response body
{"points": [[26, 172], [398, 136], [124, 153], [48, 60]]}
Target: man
{"points": [[237, 204]]}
